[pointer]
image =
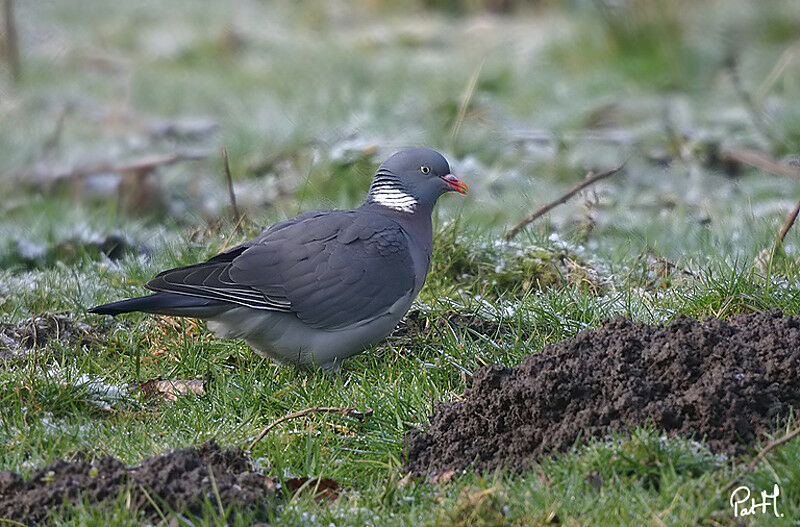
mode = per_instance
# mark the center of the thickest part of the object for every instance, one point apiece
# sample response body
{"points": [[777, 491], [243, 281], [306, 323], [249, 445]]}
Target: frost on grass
{"points": [[497, 267], [40, 331], [25, 253]]}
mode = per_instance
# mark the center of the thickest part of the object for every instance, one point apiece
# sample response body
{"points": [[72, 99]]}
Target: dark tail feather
{"points": [[165, 304]]}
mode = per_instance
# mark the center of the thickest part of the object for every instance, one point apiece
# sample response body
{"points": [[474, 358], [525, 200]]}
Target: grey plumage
{"points": [[315, 289]]}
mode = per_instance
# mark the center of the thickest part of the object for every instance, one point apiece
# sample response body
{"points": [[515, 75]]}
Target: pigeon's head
{"points": [[412, 179]]}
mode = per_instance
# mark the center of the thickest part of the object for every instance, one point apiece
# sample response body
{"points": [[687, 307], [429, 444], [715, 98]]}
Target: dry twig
{"points": [[756, 460], [780, 67], [767, 164], [53, 139], [590, 179], [349, 412], [469, 92], [170, 389], [761, 161], [231, 194], [789, 222]]}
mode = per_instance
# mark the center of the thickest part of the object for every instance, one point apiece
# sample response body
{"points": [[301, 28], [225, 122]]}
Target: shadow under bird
{"points": [[316, 289]]}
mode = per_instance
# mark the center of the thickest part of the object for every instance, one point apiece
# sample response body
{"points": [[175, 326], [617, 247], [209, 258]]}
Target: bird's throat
{"points": [[387, 191]]}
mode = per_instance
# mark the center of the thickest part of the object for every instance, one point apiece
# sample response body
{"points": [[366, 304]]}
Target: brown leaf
{"points": [[270, 483], [444, 477], [169, 389], [324, 489]]}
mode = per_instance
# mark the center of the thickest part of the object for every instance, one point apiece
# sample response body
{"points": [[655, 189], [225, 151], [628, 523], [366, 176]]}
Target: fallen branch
{"points": [[231, 194], [349, 412], [42, 176], [756, 460], [761, 161], [590, 179]]}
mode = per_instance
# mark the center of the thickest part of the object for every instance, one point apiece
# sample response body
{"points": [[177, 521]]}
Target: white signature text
{"points": [[741, 507]]}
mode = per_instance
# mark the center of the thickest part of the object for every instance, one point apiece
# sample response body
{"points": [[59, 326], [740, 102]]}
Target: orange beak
{"points": [[455, 184]]}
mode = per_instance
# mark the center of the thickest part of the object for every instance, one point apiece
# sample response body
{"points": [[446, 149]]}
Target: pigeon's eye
{"points": [[425, 169]]}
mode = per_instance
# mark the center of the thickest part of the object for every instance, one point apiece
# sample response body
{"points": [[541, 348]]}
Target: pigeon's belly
{"points": [[286, 339]]}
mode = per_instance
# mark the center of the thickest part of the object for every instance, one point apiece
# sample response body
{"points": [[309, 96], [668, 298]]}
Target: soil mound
{"points": [[179, 480], [722, 381]]}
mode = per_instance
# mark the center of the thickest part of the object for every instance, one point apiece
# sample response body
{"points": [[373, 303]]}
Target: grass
{"points": [[302, 98]]}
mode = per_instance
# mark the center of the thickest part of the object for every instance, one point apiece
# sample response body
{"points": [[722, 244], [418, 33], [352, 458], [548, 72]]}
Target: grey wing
{"points": [[212, 280], [332, 269], [335, 270]]}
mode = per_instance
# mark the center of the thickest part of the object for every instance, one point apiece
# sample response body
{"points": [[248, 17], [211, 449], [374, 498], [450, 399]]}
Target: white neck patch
{"points": [[394, 199]]}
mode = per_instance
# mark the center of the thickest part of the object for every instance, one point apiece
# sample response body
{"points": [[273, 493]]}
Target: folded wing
{"points": [[333, 269]]}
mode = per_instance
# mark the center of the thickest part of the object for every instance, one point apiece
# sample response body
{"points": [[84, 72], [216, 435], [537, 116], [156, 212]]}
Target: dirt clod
{"points": [[179, 480], [722, 381]]}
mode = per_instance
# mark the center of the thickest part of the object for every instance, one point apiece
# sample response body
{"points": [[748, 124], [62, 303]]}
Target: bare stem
{"points": [[789, 222], [756, 460], [231, 194], [349, 412], [469, 92], [761, 161], [590, 179]]}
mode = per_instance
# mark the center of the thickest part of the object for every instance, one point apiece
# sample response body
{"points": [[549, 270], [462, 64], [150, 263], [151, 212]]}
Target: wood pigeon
{"points": [[316, 289]]}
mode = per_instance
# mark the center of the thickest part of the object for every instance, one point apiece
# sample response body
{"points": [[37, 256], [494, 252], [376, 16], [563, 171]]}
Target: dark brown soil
{"points": [[722, 381], [179, 480]]}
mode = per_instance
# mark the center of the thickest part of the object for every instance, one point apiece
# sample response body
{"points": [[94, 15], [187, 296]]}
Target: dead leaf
{"points": [[169, 389], [324, 489], [444, 477], [270, 483]]}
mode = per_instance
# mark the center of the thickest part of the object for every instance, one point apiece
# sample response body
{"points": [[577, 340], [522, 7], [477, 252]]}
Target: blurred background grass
{"points": [[308, 97]]}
